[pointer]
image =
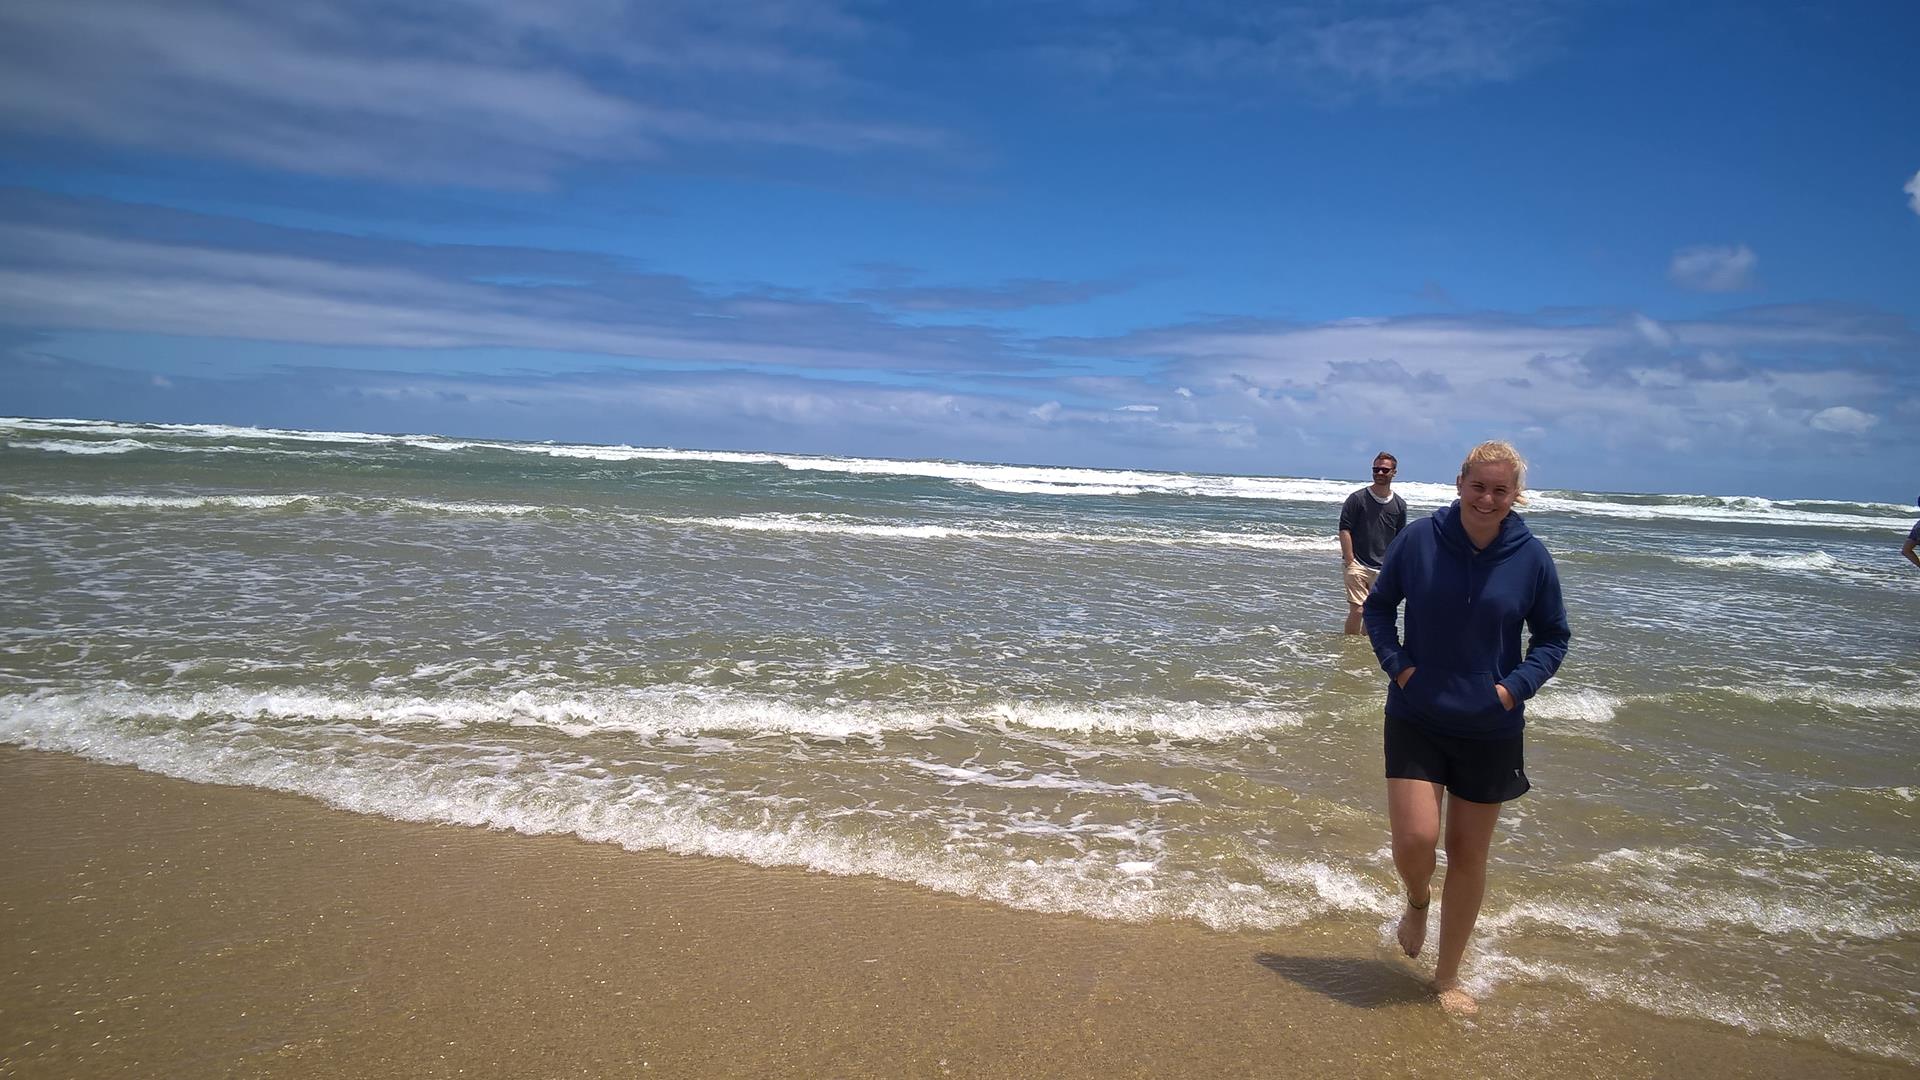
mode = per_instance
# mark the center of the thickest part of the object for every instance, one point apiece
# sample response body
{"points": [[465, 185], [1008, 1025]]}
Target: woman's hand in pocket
{"points": [[1401, 679], [1505, 695]]}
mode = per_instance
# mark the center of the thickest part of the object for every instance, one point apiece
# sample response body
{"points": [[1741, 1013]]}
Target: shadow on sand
{"points": [[1367, 984]]}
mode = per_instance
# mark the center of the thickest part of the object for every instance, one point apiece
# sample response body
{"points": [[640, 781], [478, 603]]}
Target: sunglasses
{"points": [[1381, 468]]}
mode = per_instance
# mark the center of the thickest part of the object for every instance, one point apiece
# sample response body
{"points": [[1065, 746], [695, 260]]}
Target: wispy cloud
{"points": [[1713, 269], [712, 409], [1843, 419], [1434, 44], [1619, 389], [70, 264], [470, 92], [1014, 295], [1384, 48], [1913, 192]]}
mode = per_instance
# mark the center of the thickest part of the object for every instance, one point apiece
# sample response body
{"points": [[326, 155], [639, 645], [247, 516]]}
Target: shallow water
{"points": [[1120, 694]]}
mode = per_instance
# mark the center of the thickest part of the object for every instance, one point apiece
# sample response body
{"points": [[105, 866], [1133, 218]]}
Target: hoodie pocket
{"points": [[1456, 694]]}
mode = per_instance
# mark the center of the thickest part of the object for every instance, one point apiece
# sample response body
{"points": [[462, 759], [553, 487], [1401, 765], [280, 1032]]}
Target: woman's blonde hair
{"points": [[1498, 452]]}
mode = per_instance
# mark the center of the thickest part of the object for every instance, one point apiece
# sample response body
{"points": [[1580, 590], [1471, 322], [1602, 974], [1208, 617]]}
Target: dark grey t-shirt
{"points": [[1373, 524]]}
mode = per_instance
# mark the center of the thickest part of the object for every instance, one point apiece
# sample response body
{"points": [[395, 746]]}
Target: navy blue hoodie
{"points": [[1464, 611]]}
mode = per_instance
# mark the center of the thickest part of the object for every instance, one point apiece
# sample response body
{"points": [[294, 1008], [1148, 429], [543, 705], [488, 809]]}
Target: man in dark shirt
{"points": [[1369, 521]]}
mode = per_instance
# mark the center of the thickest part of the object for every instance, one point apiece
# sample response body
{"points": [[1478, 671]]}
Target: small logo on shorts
{"points": [[1517, 776]]}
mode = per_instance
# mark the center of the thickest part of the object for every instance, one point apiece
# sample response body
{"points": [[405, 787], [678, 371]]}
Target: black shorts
{"points": [[1477, 770]]}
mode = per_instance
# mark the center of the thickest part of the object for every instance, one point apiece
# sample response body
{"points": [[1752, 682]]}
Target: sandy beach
{"points": [[157, 927]]}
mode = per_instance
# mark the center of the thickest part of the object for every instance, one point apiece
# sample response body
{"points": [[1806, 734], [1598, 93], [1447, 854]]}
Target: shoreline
{"points": [[161, 927]]}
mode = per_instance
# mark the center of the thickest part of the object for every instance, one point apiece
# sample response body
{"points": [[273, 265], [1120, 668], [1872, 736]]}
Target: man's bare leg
{"points": [[1469, 836], [1413, 810], [1354, 625]]}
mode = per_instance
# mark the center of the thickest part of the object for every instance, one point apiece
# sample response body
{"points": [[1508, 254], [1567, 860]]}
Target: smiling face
{"points": [[1487, 491]]}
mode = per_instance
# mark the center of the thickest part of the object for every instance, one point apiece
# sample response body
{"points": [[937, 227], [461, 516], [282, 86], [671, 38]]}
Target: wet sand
{"points": [[160, 928]]}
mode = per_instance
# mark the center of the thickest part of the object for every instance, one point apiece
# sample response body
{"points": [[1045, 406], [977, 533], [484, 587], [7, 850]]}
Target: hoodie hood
{"points": [[1513, 535]]}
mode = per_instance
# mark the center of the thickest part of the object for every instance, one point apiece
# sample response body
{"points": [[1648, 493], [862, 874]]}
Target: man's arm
{"points": [[1347, 522], [1908, 551]]}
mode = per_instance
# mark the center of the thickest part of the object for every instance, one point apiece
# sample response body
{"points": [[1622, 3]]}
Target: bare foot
{"points": [[1456, 1002], [1413, 928]]}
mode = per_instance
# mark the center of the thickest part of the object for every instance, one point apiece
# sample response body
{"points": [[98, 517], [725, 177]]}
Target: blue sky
{"points": [[1662, 247]]}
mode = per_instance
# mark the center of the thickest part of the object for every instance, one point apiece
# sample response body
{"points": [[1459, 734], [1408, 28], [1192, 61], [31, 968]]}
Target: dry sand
{"points": [[159, 928]]}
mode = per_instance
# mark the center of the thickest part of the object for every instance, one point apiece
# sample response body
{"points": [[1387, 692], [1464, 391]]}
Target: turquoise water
{"points": [[1122, 694]]}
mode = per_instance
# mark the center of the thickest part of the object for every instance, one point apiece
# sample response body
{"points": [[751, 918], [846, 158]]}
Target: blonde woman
{"points": [[1471, 575]]}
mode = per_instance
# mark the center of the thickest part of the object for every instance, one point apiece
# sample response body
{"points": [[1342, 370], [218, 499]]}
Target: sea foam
{"points": [[654, 711], [1815, 562], [966, 776], [502, 791], [651, 711], [1888, 699], [80, 446], [825, 525], [170, 502], [1164, 720], [1756, 1009], [301, 500], [1583, 706]]}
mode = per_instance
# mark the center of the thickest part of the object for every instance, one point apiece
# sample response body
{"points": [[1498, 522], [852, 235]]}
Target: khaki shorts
{"points": [[1359, 581]]}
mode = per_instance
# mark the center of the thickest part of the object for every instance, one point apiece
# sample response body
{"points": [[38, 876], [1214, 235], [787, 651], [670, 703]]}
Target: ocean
{"points": [[1119, 694]]}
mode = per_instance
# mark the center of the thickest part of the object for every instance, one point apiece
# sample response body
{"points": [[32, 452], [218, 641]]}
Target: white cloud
{"points": [[1437, 44], [469, 93], [1713, 362], [401, 296], [1913, 192], [1138, 408], [1283, 357], [1654, 333], [1843, 420], [1713, 269], [1610, 396], [1330, 51]]}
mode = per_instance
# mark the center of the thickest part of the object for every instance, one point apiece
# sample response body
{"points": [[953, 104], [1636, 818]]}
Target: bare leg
{"points": [[1413, 809], [1354, 625], [1469, 835]]}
